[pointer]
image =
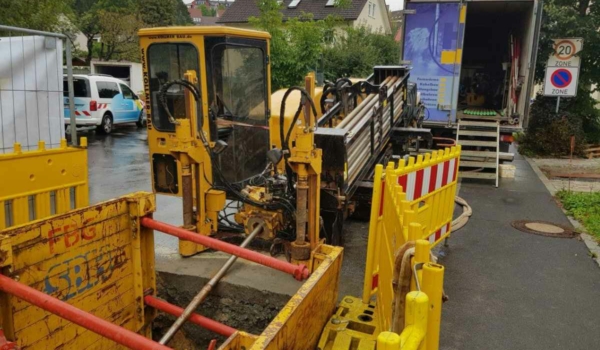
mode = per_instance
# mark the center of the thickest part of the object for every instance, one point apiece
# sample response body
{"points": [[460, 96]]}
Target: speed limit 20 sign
{"points": [[565, 53], [562, 70]]}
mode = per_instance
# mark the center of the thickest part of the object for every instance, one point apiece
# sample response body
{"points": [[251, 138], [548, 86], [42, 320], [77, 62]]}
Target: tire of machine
{"points": [[362, 198]]}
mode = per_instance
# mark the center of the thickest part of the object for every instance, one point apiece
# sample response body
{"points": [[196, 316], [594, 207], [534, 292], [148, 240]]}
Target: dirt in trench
{"points": [[240, 307]]}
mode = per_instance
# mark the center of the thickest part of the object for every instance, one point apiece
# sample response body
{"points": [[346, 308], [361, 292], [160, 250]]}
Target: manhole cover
{"points": [[543, 228]]}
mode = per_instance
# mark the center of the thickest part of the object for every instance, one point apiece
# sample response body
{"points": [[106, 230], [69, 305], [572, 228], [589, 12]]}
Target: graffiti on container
{"points": [[83, 272], [78, 235]]}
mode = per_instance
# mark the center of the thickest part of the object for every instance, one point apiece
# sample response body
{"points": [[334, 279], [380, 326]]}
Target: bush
{"points": [[301, 45], [549, 133], [356, 51]]}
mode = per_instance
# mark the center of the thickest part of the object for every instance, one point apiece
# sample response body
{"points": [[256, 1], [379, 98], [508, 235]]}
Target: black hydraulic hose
{"points": [[285, 138], [162, 95], [326, 92], [296, 116]]}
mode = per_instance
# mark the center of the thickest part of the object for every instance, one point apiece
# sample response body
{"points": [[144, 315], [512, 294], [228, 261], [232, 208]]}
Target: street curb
{"points": [[589, 241]]}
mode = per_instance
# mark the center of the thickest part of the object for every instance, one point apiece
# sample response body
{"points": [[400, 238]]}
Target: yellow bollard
{"points": [[388, 341], [414, 231], [422, 251], [413, 335], [432, 285]]}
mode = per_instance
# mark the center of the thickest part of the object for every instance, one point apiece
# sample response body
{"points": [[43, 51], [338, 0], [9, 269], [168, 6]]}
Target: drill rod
{"points": [[199, 298]]}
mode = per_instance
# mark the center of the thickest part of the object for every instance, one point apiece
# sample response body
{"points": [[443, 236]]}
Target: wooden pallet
{"points": [[592, 151]]}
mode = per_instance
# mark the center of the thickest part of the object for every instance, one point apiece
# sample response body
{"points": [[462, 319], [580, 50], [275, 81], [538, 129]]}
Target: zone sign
{"points": [[561, 81], [565, 53]]}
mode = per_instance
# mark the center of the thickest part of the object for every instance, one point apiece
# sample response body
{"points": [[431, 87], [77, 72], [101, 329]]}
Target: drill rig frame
{"points": [[215, 141]]}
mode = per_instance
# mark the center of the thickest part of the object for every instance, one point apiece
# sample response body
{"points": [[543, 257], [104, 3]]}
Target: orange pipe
{"points": [[300, 272], [84, 319], [201, 321]]}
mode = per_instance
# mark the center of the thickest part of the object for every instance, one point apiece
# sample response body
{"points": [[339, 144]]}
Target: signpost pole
{"points": [[557, 103]]}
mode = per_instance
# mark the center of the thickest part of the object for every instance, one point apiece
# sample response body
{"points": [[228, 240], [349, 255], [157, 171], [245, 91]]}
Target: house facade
{"points": [[369, 13]]}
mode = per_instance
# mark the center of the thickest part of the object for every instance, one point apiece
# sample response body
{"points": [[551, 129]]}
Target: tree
{"points": [[568, 19], [161, 13], [87, 17], [86, 20], [207, 11], [47, 15], [302, 44], [119, 36], [182, 16], [356, 51], [116, 23]]}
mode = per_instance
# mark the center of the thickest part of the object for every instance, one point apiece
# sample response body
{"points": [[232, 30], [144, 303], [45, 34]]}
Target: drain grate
{"points": [[544, 228]]}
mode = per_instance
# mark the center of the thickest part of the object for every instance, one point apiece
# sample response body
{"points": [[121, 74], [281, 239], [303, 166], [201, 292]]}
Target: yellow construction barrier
{"points": [[420, 192], [98, 259], [37, 184], [411, 211]]}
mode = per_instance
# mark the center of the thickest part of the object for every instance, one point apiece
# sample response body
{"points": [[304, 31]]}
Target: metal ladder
{"points": [[473, 135]]}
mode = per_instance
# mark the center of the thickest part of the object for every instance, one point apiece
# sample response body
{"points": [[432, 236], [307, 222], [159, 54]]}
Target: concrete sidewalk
{"points": [[513, 290]]}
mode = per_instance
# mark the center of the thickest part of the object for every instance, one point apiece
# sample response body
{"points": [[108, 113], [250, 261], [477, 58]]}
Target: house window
{"points": [[372, 10]]}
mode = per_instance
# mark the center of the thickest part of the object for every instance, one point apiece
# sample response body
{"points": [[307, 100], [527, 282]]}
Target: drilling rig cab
{"points": [[208, 96]]}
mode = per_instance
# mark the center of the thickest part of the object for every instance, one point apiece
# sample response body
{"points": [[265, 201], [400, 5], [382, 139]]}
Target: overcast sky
{"points": [[395, 4]]}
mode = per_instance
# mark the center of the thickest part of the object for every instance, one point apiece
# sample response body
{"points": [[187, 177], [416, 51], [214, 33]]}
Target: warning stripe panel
{"points": [[437, 235], [424, 181]]}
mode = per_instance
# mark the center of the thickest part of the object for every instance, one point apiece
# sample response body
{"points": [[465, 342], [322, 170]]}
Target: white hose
{"points": [[462, 220]]}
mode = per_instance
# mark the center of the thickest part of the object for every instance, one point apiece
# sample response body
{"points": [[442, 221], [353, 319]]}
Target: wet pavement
{"points": [[118, 164], [508, 289]]}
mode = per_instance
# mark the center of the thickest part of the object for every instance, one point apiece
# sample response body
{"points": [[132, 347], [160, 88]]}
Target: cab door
{"points": [[433, 41]]}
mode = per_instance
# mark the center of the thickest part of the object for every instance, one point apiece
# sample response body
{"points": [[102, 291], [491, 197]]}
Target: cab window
{"points": [[237, 85], [107, 89], [237, 98], [169, 62]]}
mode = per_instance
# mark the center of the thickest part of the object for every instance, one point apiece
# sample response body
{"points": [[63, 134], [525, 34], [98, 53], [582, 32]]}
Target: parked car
{"points": [[103, 101]]}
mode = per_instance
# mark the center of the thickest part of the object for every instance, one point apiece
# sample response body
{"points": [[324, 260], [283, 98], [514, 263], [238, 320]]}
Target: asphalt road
{"points": [[513, 290], [508, 289]]}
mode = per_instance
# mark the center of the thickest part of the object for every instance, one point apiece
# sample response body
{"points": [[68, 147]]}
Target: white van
{"points": [[103, 101]]}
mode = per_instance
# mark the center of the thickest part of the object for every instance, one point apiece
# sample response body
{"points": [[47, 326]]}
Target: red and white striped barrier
{"points": [[420, 183]]}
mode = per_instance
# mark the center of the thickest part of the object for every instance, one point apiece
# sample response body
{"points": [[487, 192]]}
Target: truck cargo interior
{"points": [[494, 72]]}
